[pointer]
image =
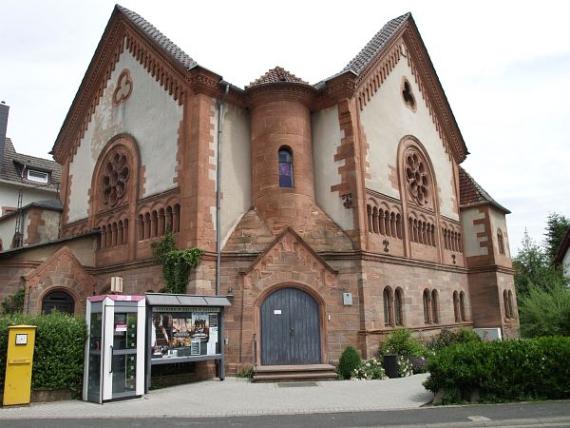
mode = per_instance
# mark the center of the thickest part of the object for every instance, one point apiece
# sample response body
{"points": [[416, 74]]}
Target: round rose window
{"points": [[417, 176], [115, 178]]}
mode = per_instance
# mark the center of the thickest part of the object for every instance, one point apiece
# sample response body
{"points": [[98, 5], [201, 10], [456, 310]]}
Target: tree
{"points": [[545, 313], [556, 227], [534, 270]]}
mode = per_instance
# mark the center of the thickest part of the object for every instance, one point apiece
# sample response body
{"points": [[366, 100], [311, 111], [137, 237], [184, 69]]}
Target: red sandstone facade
{"points": [[404, 261]]}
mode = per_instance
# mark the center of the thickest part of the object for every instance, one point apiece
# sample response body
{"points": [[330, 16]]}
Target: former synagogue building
{"points": [[345, 212]]}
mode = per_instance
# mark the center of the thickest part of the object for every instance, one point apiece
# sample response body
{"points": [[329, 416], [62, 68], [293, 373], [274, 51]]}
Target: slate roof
{"points": [[13, 162], [160, 39], [374, 46], [276, 75], [471, 193]]}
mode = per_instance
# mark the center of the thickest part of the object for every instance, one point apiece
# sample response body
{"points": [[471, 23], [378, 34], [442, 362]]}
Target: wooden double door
{"points": [[290, 328]]}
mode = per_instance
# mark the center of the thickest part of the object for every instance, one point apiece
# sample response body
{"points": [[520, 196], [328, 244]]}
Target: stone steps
{"points": [[290, 373]]}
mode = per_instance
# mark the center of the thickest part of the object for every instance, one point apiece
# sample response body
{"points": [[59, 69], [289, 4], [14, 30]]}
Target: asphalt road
{"points": [[543, 414]]}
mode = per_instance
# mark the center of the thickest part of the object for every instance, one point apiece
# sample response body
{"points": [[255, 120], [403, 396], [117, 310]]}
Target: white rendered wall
{"points": [[471, 242], [499, 221], [9, 195], [326, 139], [386, 120], [236, 168], [150, 115], [7, 229], [566, 264]]}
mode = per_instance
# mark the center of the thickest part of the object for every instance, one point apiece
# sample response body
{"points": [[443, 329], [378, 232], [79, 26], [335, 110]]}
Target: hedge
{"points": [[502, 371], [59, 350]]}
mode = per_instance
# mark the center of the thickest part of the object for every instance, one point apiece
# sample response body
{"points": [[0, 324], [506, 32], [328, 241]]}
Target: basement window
{"points": [[38, 176]]}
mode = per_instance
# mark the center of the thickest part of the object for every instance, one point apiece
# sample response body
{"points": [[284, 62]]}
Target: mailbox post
{"points": [[18, 381]]}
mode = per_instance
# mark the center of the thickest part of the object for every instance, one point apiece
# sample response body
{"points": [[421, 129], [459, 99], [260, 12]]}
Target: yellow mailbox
{"points": [[18, 381]]}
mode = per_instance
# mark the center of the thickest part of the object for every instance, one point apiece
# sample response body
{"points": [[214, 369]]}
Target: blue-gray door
{"points": [[290, 328]]}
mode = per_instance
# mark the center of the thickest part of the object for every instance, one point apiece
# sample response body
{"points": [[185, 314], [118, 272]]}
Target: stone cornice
{"points": [[288, 91]]}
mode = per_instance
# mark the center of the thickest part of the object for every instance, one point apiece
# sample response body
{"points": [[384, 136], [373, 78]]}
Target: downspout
{"points": [[220, 107]]}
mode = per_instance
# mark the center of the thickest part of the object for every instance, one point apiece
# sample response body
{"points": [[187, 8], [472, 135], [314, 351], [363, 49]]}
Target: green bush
{"points": [[503, 371], [371, 369], [13, 304], [348, 362], [401, 342], [545, 312], [449, 337], [58, 353]]}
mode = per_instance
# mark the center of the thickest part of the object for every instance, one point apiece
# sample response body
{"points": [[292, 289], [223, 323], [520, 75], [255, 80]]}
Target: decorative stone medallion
{"points": [[124, 87]]}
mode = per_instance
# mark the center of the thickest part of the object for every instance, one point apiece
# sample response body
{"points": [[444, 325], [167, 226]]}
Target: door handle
{"points": [[111, 368]]}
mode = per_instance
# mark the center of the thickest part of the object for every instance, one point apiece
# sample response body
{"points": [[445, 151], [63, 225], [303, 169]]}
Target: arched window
{"points": [[427, 306], [462, 306], [285, 167], [435, 307], [456, 307], [500, 241], [58, 300], [388, 320], [398, 306], [511, 310]]}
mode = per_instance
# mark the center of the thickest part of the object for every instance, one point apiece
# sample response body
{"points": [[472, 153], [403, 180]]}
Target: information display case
{"points": [[115, 349], [183, 328]]}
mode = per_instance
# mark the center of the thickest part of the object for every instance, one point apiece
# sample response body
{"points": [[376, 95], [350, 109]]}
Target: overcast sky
{"points": [[505, 67]]}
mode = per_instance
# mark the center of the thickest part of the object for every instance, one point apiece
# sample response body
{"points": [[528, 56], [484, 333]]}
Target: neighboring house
{"points": [[345, 213], [562, 258], [25, 181]]}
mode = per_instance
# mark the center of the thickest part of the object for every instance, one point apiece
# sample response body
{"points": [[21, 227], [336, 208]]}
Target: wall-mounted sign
{"points": [[21, 339], [276, 311]]}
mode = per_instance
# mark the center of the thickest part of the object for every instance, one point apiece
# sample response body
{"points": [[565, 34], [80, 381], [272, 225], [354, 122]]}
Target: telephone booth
{"points": [[115, 349]]}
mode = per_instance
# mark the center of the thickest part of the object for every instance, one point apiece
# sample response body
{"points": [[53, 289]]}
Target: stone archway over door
{"points": [[58, 300], [290, 328]]}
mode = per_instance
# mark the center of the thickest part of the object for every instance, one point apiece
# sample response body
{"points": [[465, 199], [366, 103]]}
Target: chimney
{"points": [[4, 109]]}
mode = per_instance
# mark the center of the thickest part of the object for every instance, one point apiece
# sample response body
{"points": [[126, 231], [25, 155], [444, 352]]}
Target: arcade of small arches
{"points": [[384, 221], [157, 222], [114, 234]]}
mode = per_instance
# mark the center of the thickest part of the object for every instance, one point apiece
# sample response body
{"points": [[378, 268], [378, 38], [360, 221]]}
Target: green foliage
{"points": [[502, 371], [449, 338], [14, 304], [176, 264], [556, 227], [245, 372], [348, 362], [401, 342], [59, 348], [534, 270], [545, 313], [371, 369]]}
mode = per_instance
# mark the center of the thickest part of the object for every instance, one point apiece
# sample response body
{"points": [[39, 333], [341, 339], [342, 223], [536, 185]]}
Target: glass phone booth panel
{"points": [[114, 355]]}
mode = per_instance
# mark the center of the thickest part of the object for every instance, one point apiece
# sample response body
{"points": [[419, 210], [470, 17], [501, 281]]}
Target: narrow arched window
{"points": [[456, 307], [398, 306], [427, 306], [511, 310], [462, 306], [387, 296], [501, 242], [435, 307], [285, 167]]}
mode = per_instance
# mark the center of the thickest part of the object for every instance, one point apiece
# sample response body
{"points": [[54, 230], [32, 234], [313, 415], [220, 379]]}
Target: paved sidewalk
{"points": [[237, 397]]}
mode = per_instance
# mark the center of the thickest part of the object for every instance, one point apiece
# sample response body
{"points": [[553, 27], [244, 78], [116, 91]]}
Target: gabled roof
{"points": [[472, 194], [359, 63], [276, 75], [563, 248], [167, 45], [13, 163]]}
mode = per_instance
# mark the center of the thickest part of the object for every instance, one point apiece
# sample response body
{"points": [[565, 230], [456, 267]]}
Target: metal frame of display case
{"points": [[183, 303]]}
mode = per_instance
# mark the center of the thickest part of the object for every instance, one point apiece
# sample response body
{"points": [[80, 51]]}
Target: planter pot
{"points": [[391, 365]]}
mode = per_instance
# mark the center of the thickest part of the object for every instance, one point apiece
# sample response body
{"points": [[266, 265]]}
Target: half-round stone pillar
{"points": [[281, 119]]}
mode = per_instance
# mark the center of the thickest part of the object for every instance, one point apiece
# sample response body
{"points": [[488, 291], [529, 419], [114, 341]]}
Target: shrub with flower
{"points": [[405, 367], [371, 369]]}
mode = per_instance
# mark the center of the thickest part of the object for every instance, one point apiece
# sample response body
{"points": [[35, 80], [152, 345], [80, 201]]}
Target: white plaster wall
{"points": [[236, 168], [386, 119], [150, 115], [7, 228], [566, 264], [499, 221], [9, 195], [49, 231], [326, 139], [471, 242]]}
